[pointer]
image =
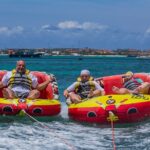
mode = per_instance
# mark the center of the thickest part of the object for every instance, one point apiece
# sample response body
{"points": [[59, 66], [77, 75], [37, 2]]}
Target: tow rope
{"points": [[47, 127], [112, 118]]}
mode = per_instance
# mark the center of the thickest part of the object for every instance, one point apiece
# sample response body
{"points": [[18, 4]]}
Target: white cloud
{"points": [[81, 26], [45, 27], [74, 25], [69, 25], [48, 27], [93, 26], [10, 31]]}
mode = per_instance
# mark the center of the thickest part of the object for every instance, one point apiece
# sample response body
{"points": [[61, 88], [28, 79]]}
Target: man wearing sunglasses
{"points": [[132, 85], [85, 87]]}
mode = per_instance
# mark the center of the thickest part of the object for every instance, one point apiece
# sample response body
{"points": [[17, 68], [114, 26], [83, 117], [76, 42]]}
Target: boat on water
{"points": [[126, 108], [25, 54], [47, 105]]}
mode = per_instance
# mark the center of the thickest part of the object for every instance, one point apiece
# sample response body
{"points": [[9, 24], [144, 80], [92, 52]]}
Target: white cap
{"points": [[83, 72]]}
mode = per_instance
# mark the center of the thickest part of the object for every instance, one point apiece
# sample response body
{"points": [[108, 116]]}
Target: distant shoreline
{"points": [[74, 55]]}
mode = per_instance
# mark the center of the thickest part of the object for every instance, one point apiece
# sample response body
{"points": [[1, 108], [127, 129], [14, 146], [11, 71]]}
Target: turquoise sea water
{"points": [[63, 133]]}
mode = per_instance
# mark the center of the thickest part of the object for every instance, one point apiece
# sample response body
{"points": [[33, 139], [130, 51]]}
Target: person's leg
{"points": [[120, 90], [8, 93], [34, 94], [144, 88], [75, 98]]}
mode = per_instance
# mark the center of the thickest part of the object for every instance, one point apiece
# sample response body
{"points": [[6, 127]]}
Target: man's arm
{"points": [[5, 79], [103, 92], [97, 92], [43, 85], [66, 93], [71, 88], [40, 86]]}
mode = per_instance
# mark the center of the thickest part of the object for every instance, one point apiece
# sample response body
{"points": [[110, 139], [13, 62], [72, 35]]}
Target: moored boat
{"points": [[26, 55], [46, 105], [111, 107]]}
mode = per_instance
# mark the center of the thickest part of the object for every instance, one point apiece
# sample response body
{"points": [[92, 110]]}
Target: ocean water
{"points": [[62, 133]]}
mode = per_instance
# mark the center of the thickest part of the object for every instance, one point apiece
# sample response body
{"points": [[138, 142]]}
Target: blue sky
{"points": [[109, 24]]}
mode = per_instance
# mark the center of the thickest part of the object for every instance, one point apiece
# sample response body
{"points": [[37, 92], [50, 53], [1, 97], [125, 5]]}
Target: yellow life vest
{"points": [[83, 88], [20, 80]]}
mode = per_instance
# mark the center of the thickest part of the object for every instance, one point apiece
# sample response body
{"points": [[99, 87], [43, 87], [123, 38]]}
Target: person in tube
{"points": [[132, 85], [85, 87], [20, 83]]}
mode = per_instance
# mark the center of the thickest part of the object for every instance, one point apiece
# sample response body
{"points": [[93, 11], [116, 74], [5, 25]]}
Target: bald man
{"points": [[20, 83], [85, 87]]}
